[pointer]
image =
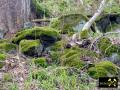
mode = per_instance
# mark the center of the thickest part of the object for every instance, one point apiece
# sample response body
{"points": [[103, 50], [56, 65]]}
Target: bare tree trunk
{"points": [[99, 11]]}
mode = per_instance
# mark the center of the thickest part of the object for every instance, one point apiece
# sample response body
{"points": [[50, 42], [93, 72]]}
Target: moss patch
{"points": [[36, 33], [39, 9], [69, 23], [3, 40], [103, 69], [107, 48], [84, 34], [2, 58], [73, 57], [40, 62], [56, 51], [58, 45], [6, 46], [40, 75], [28, 47], [7, 77]]}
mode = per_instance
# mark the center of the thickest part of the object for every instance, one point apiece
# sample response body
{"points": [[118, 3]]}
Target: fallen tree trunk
{"points": [[95, 16], [90, 22]]}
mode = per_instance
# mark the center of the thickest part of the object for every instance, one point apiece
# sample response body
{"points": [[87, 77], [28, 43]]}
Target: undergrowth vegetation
{"points": [[58, 55]]}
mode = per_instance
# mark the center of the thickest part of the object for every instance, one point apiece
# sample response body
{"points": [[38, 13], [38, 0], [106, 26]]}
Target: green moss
{"points": [[7, 46], [40, 75], [55, 22], [2, 58], [56, 51], [40, 62], [68, 23], [107, 48], [59, 45], [103, 69], [84, 34], [28, 46], [36, 33], [73, 57], [55, 56], [3, 40], [7, 77], [40, 9], [113, 27]]}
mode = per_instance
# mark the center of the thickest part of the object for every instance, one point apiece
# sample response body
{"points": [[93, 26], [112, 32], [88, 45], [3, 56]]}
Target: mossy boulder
{"points": [[29, 47], [73, 57], [103, 69], [40, 62], [2, 58], [69, 23], [56, 51], [58, 46], [106, 47], [44, 34], [7, 46]]}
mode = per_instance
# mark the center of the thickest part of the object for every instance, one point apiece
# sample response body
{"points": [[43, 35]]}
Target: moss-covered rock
{"points": [[73, 57], [50, 34], [2, 58], [107, 48], [6, 46], [56, 51], [58, 46], [29, 47], [40, 62], [69, 23], [103, 69]]}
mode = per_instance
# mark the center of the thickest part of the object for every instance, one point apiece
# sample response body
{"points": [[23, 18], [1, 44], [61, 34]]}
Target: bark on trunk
{"points": [[13, 13]]}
